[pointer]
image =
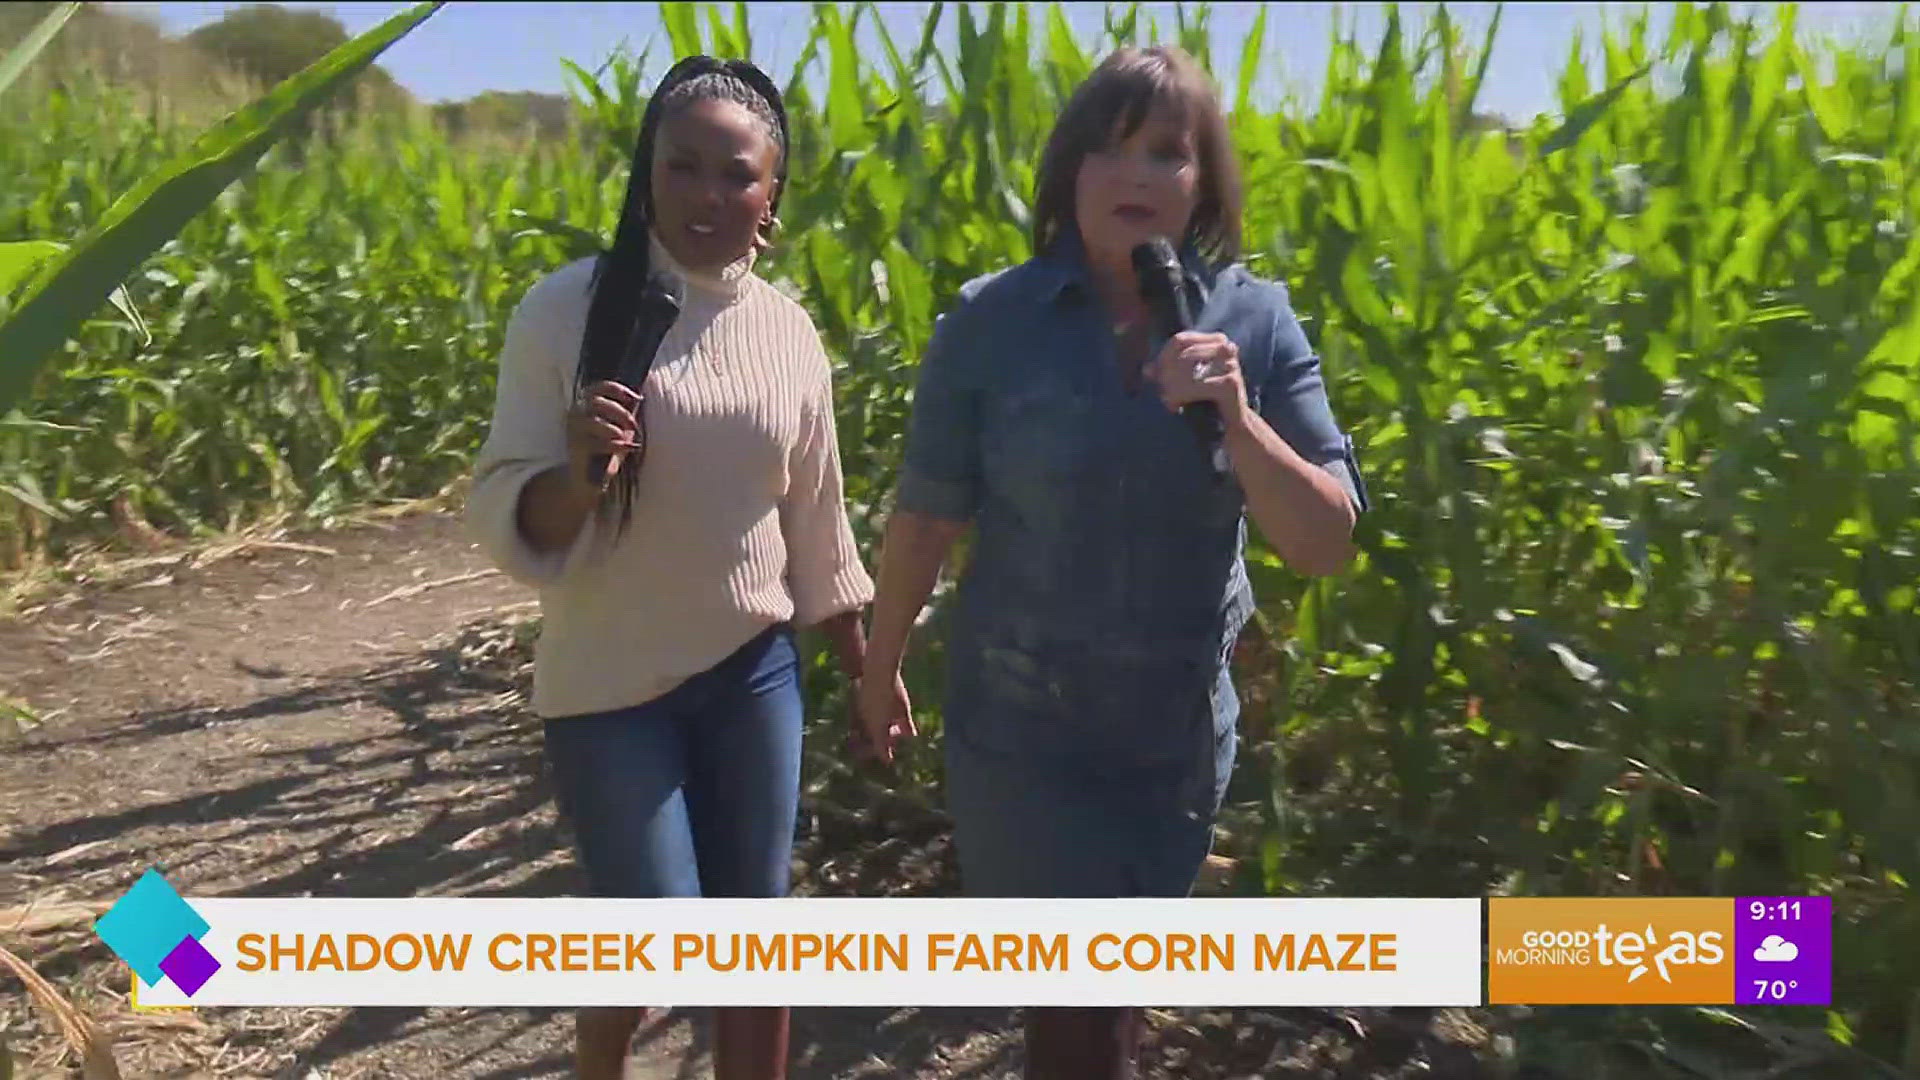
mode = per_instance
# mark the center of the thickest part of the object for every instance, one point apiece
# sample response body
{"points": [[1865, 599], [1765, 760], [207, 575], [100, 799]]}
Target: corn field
{"points": [[1636, 388]]}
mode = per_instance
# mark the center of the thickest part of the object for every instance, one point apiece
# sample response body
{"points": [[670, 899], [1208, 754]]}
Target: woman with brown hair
{"points": [[1090, 713]]}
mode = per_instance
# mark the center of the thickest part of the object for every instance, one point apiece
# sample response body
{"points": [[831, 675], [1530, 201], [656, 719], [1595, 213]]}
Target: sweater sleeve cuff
{"points": [[493, 519], [849, 589]]}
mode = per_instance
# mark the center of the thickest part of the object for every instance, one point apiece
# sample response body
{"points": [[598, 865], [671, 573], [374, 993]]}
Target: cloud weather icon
{"points": [[1776, 950]]}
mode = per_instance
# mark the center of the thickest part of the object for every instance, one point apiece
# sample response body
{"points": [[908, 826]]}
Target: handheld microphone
{"points": [[659, 307], [1163, 286]]}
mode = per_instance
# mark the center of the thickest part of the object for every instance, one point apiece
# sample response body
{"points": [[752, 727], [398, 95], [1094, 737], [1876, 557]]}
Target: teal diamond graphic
{"points": [[147, 924]]}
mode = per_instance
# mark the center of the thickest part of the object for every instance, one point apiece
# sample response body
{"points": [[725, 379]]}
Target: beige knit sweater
{"points": [[738, 520]]}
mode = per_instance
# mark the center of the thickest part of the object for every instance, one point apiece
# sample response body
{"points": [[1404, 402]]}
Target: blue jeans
{"points": [[694, 793]]}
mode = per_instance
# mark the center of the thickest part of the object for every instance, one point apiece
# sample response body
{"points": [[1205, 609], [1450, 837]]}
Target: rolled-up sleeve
{"points": [[824, 571], [1293, 401], [527, 437], [940, 476]]}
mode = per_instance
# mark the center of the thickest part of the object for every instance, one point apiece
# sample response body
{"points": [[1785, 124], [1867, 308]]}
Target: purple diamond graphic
{"points": [[189, 965]]}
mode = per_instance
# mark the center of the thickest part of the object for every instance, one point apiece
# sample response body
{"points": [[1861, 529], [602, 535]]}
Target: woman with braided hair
{"points": [[678, 528]]}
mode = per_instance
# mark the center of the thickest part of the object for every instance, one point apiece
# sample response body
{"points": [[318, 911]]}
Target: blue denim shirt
{"points": [[1106, 583]]}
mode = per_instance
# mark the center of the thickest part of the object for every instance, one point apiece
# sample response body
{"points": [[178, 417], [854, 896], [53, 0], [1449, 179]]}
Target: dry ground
{"points": [[303, 719]]}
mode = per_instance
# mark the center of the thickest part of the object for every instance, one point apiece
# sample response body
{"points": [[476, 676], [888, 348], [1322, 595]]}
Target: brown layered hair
{"points": [[1110, 106]]}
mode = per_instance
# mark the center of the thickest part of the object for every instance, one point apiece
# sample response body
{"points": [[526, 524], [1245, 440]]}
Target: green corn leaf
{"points": [[722, 36], [589, 85], [157, 209], [578, 242], [1831, 104], [683, 29], [21, 719], [21, 55], [742, 33], [846, 118], [30, 495], [1070, 63], [1250, 61], [19, 260], [1472, 93], [1588, 113]]}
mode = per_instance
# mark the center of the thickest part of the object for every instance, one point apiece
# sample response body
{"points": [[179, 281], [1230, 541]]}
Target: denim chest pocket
{"points": [[1044, 427], [1040, 468]]}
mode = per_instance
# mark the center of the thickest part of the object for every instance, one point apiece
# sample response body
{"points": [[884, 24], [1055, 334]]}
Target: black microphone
{"points": [[1163, 286], [659, 307]]}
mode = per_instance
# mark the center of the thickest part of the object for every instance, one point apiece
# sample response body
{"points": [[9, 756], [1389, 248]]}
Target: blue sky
{"points": [[473, 46]]}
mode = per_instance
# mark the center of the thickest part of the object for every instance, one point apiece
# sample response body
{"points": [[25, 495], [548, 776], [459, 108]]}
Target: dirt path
{"points": [[303, 722]]}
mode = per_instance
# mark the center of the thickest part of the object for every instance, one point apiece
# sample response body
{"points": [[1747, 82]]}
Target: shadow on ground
{"points": [[422, 776]]}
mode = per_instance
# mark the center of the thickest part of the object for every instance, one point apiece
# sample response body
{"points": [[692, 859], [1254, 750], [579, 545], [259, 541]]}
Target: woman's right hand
{"points": [[602, 424]]}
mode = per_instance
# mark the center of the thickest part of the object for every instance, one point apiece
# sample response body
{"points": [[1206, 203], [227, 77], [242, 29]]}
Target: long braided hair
{"points": [[623, 271]]}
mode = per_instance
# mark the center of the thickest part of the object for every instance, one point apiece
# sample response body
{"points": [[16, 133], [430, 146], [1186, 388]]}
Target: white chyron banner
{"points": [[833, 952]]}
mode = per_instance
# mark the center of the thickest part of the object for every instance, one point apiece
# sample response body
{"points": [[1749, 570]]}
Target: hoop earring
{"points": [[763, 237]]}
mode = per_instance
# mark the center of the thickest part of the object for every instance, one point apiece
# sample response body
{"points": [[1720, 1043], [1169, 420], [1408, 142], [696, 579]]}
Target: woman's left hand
{"points": [[882, 718], [1195, 367]]}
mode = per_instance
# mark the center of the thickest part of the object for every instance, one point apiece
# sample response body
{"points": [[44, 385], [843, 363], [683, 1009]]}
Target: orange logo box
{"points": [[1626, 951]]}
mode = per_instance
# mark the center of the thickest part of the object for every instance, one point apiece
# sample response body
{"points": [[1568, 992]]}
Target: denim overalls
{"points": [[1090, 716]]}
